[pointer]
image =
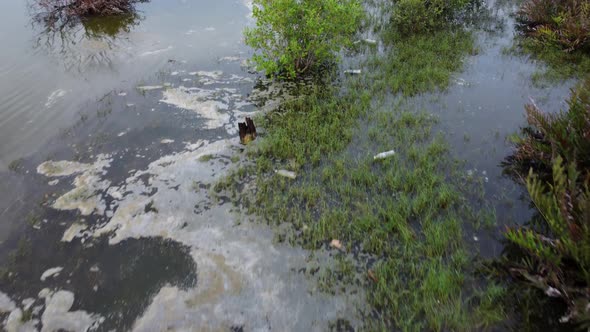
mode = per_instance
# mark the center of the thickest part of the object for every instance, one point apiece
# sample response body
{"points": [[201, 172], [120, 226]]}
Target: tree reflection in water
{"points": [[82, 42]]}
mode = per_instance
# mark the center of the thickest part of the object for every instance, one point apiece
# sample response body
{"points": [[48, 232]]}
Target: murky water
{"points": [[112, 133], [484, 107]]}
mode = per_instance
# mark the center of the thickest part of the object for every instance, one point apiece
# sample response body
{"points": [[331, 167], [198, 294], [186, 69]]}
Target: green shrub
{"points": [[424, 16], [298, 37], [565, 134], [555, 151], [561, 23], [558, 260]]}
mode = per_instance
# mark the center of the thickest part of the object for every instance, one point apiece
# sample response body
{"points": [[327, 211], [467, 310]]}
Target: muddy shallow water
{"points": [[112, 135], [110, 145]]}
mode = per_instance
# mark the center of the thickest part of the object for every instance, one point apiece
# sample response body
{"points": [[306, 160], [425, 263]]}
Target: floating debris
{"points": [[460, 82], [247, 131], [287, 174], [336, 244], [553, 292], [366, 41], [384, 155], [372, 276], [353, 72]]}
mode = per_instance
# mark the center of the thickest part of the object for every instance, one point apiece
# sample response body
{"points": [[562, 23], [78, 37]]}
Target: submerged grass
{"points": [[422, 63], [404, 218], [559, 65]]}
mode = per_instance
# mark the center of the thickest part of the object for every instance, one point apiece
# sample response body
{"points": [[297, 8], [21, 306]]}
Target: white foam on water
{"points": [[230, 59], [155, 52], [74, 231], [87, 186], [202, 102], [54, 97], [57, 315], [6, 303], [243, 277], [14, 323], [53, 272], [62, 168], [149, 87]]}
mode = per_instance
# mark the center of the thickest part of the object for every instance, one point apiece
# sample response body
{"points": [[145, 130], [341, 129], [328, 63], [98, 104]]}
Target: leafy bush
{"points": [[561, 23], [424, 16], [298, 37], [556, 151]]}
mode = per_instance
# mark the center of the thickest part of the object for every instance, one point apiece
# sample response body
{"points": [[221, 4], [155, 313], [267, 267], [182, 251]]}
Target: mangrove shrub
{"points": [[564, 24], [294, 38], [556, 149]]}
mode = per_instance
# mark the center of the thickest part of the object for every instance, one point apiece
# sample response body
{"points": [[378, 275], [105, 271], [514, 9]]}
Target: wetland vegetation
{"points": [[365, 215], [403, 225]]}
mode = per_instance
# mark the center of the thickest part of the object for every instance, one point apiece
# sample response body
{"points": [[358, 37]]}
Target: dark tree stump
{"points": [[247, 131]]}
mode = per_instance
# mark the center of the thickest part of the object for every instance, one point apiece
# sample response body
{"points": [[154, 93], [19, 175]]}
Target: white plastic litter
{"points": [[384, 155], [353, 72], [287, 174]]}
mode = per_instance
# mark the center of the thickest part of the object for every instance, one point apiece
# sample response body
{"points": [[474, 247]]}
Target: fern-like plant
{"points": [[558, 262]]}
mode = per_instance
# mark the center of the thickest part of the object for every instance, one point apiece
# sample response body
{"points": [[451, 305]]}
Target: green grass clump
{"points": [[411, 17], [404, 218], [559, 65], [401, 210], [422, 63]]}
